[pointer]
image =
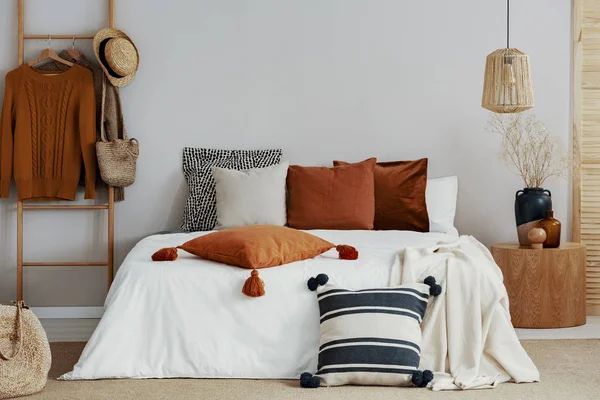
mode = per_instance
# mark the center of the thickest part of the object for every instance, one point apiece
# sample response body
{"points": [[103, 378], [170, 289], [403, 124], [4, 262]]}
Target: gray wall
{"points": [[323, 79]]}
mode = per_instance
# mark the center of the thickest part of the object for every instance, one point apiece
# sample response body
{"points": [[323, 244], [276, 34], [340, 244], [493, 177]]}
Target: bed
{"points": [[189, 318]]}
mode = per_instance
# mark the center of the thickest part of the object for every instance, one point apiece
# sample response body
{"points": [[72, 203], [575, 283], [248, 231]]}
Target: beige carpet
{"points": [[570, 369]]}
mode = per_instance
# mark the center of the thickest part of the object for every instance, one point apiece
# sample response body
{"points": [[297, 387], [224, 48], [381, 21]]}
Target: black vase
{"points": [[531, 205]]}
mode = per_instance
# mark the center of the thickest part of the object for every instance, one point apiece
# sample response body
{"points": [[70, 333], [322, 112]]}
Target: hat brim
{"points": [[107, 33]]}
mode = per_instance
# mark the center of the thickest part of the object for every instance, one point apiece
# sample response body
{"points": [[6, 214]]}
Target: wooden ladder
{"points": [[109, 207]]}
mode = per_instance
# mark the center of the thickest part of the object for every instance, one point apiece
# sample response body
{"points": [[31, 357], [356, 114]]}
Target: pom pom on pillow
{"points": [[309, 381], [434, 289]]}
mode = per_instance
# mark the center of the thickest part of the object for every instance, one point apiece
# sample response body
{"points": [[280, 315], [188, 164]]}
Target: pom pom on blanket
{"points": [[254, 286], [347, 252], [307, 380], [166, 254], [422, 378], [434, 288]]}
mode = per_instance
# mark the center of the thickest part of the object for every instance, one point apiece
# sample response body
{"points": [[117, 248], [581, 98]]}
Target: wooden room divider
{"points": [[586, 141]]}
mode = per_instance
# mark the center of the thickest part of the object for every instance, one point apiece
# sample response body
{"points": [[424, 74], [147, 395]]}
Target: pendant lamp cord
{"points": [[508, 24]]}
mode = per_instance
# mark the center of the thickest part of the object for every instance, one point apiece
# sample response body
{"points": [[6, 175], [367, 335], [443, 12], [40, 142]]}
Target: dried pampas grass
{"points": [[528, 149]]}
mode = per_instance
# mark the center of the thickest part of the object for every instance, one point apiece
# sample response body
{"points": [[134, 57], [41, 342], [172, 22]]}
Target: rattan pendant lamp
{"points": [[507, 84]]}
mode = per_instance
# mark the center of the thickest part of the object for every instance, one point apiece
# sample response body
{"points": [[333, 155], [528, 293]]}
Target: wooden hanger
{"points": [[73, 52], [49, 53]]}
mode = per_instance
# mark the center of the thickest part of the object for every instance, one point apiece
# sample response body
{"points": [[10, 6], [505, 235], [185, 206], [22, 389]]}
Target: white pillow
{"points": [[251, 197], [440, 197]]}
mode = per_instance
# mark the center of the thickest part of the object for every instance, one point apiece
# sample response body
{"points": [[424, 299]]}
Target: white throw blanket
{"points": [[468, 339]]}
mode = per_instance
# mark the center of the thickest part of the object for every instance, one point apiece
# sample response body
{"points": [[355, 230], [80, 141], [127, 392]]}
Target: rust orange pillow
{"points": [[341, 197], [400, 195], [256, 246]]}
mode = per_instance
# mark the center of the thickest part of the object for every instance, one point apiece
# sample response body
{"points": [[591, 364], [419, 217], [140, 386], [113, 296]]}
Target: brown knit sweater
{"points": [[48, 123], [112, 118]]}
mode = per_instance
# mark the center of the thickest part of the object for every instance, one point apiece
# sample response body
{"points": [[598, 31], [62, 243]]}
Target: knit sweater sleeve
{"points": [[6, 140], [87, 132]]}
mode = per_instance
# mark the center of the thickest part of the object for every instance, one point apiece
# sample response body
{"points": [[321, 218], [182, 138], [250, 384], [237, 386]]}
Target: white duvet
{"points": [[188, 318]]}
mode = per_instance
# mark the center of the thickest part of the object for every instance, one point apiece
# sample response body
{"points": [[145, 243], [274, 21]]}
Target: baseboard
{"points": [[591, 330], [69, 330], [67, 312]]}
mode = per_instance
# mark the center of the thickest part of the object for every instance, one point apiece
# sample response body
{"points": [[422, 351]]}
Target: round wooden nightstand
{"points": [[546, 287]]}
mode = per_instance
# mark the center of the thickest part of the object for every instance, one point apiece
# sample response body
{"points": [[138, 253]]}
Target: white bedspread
{"points": [[188, 318]]}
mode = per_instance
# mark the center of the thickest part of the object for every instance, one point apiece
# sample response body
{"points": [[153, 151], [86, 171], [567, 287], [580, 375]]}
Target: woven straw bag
{"points": [[116, 158], [24, 352], [117, 161]]}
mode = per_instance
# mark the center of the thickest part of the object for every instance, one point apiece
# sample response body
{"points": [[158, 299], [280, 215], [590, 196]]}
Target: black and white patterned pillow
{"points": [[200, 212], [371, 336]]}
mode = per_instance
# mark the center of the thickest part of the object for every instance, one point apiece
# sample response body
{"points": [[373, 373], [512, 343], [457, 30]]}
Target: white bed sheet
{"points": [[188, 318]]}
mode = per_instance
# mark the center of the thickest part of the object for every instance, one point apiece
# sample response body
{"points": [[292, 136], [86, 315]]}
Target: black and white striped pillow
{"points": [[371, 336], [200, 212]]}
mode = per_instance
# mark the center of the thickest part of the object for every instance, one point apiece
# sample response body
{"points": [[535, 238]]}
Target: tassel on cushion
{"points": [[254, 286], [166, 254], [314, 283], [422, 378], [309, 381], [347, 252], [434, 289]]}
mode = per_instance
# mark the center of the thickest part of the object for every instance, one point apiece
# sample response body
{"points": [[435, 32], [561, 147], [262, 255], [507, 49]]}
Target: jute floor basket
{"points": [[24, 352]]}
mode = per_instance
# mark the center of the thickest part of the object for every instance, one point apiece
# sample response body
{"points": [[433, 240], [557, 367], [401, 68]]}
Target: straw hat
{"points": [[117, 56]]}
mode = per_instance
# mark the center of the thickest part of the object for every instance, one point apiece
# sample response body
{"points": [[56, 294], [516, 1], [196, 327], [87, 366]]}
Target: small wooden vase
{"points": [[552, 227], [536, 237]]}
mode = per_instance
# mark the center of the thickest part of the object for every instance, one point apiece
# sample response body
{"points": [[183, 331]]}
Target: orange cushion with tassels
{"points": [[256, 246]]}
